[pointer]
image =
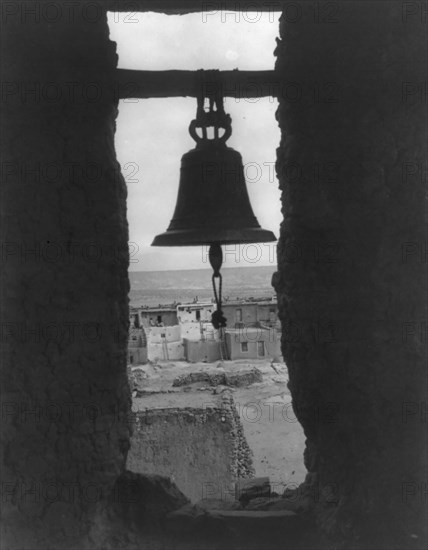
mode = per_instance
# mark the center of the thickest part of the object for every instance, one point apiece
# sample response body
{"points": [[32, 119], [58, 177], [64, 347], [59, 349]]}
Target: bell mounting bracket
{"points": [[214, 117]]}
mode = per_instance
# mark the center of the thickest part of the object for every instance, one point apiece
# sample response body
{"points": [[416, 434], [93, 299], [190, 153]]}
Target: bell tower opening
{"points": [[152, 136]]}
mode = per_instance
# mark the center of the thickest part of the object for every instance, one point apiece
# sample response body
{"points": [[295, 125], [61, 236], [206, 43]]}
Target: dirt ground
{"points": [[272, 431], [271, 428]]}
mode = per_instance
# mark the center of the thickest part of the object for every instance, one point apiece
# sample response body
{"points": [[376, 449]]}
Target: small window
{"points": [[131, 359], [238, 315], [261, 349], [198, 314], [244, 346]]}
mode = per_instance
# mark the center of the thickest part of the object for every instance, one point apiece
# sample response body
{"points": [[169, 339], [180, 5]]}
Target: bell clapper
{"points": [[216, 260]]}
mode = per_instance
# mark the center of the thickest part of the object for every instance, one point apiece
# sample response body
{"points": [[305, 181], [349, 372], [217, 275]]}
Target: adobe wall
{"points": [[251, 313], [352, 260], [65, 394], [197, 441]]}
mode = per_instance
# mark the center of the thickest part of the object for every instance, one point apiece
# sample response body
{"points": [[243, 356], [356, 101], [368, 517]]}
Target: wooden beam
{"points": [[207, 7], [238, 84]]}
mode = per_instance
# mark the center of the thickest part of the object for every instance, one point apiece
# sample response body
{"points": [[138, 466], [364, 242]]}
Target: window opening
{"points": [[151, 138]]}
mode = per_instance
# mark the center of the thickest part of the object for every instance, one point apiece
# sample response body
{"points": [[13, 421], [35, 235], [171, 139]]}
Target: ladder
{"points": [[224, 354]]}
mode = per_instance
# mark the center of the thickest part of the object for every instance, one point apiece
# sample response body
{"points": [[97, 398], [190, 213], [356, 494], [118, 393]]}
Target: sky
{"points": [[152, 134]]}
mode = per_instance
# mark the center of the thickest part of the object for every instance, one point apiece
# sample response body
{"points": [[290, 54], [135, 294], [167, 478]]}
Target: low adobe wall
{"points": [[200, 351], [197, 441]]}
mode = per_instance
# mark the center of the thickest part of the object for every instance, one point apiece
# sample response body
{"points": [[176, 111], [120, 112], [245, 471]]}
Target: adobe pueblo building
{"points": [[360, 231]]}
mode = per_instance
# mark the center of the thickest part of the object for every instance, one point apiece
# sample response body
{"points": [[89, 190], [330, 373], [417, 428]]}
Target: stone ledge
{"points": [[195, 519]]}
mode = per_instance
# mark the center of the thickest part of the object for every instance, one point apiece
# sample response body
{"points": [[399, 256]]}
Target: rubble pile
{"points": [[241, 456], [136, 378], [220, 377], [213, 378], [243, 377]]}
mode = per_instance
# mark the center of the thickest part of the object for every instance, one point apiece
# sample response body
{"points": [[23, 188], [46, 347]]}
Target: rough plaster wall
{"points": [[360, 146], [65, 315], [202, 450], [351, 289]]}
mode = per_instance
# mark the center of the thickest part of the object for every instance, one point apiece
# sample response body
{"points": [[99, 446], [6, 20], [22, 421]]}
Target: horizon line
{"points": [[198, 269]]}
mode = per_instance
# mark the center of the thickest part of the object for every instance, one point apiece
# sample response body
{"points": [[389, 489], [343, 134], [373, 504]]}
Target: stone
{"points": [[213, 378], [248, 489], [189, 519], [145, 500], [350, 295], [243, 377], [74, 280], [231, 523], [274, 504], [219, 504]]}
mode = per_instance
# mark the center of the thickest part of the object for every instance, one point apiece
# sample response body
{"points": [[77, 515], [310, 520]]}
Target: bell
{"points": [[213, 205]]}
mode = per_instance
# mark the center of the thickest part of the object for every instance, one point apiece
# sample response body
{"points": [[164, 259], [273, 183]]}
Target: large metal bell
{"points": [[213, 205]]}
